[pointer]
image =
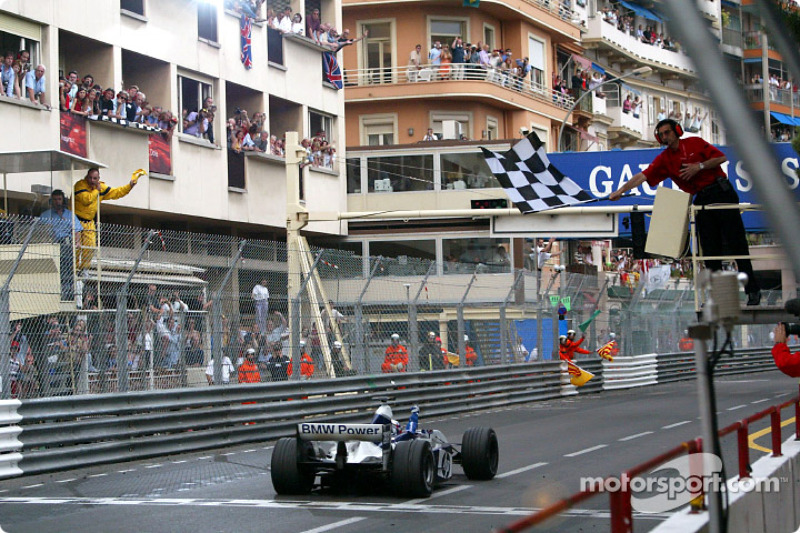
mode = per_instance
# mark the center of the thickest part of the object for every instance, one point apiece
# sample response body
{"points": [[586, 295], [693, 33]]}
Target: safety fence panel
{"points": [[10, 445], [629, 372], [62, 433], [133, 309]]}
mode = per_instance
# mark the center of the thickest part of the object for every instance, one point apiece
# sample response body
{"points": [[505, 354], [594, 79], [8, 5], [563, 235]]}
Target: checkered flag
{"points": [[530, 180]]}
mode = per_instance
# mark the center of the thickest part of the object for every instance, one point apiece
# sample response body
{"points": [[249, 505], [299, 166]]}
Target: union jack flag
{"points": [[331, 70], [246, 30]]}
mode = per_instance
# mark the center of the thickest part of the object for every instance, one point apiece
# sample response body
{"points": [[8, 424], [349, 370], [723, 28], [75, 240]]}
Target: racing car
{"points": [[411, 460]]}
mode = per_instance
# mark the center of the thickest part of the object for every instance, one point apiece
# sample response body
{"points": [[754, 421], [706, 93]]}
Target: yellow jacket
{"points": [[86, 198]]}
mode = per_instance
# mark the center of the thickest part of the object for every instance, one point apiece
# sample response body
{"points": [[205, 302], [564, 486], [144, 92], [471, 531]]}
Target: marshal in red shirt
{"points": [[691, 150]]}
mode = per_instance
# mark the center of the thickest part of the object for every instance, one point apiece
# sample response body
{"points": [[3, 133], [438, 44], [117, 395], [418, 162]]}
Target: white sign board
{"points": [[583, 226]]}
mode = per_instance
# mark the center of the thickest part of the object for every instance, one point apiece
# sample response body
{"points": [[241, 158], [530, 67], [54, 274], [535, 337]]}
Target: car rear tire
{"points": [[480, 453], [288, 476], [413, 469]]}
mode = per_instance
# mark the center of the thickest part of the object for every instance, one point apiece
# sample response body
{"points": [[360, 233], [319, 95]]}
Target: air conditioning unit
{"points": [[451, 129], [384, 185]]}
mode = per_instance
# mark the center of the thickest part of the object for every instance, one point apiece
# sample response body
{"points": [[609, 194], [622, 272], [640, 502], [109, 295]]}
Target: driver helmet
{"points": [[383, 415]]}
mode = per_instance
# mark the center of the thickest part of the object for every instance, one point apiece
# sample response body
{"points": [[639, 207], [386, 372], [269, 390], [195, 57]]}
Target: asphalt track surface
{"points": [[545, 448]]}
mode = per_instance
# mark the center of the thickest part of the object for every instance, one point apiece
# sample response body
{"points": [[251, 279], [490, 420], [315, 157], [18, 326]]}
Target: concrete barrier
{"points": [[768, 502]]}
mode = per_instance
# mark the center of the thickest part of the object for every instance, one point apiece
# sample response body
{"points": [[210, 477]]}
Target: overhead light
{"points": [[643, 71]]}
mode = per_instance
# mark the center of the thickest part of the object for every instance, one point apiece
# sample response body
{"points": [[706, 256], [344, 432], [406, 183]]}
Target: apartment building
{"points": [[180, 53]]}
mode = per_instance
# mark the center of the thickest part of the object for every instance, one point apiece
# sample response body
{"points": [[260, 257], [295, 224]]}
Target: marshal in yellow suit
{"points": [[88, 194]]}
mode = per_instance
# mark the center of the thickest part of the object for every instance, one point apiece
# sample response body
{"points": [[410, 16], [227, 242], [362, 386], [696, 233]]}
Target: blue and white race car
{"points": [[410, 459]]}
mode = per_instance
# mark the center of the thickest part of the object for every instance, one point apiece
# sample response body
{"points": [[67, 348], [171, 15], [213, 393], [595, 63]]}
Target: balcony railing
{"points": [[732, 37], [752, 41], [787, 97], [633, 47], [432, 74]]}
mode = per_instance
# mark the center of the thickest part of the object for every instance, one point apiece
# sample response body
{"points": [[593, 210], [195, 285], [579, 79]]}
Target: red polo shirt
{"points": [[691, 150]]}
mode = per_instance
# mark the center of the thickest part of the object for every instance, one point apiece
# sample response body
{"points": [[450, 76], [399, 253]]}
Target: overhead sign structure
{"points": [[601, 173]]}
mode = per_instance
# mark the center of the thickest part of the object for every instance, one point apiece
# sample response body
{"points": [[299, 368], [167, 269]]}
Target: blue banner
{"points": [[601, 173]]}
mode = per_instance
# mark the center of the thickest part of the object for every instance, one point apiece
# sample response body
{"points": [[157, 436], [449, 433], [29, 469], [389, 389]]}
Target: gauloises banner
{"points": [[160, 154], [73, 134]]}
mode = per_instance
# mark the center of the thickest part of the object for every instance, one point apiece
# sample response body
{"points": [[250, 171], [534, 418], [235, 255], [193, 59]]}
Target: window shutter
{"points": [[23, 28]]}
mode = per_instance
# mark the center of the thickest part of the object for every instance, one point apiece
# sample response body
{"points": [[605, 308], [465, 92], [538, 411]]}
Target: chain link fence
{"points": [[168, 309]]}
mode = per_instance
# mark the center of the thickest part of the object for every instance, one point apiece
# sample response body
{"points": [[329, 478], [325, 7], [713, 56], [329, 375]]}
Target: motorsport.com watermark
{"points": [[677, 482]]}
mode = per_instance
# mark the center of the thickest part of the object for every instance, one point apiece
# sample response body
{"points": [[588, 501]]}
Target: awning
{"points": [[628, 88], [785, 119], [43, 161], [752, 60], [582, 61], [641, 11], [598, 68]]}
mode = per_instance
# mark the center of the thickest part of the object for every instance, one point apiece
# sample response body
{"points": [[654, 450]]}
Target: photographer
{"points": [[787, 362]]}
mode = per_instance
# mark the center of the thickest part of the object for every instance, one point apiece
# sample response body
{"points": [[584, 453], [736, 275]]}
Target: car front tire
{"points": [[480, 453]]}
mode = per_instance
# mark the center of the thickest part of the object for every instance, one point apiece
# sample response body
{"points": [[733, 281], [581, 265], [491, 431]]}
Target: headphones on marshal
{"points": [[676, 127]]}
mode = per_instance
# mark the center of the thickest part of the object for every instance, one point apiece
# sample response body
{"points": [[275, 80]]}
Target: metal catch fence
{"points": [[169, 309]]}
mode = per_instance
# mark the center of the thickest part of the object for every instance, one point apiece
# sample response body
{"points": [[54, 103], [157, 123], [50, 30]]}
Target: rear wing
{"points": [[341, 432]]}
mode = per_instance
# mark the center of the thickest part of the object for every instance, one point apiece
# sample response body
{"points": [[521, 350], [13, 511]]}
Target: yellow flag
{"points": [[577, 375], [452, 358]]}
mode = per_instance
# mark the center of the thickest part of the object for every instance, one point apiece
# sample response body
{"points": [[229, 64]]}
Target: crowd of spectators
{"points": [[646, 34], [21, 80], [245, 134]]}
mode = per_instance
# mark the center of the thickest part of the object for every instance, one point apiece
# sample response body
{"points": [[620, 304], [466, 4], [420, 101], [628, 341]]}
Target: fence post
{"points": [[504, 329], [5, 318], [462, 345], [5, 345], [361, 347], [413, 325], [295, 353], [216, 317], [121, 319]]}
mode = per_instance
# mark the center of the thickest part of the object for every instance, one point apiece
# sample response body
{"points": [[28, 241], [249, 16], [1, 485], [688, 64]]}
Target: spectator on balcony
{"points": [[596, 82], [24, 57], [458, 58], [414, 63], [18, 76], [577, 82], [196, 123], [298, 28], [36, 86], [283, 22], [7, 74], [108, 104], [72, 76], [484, 57], [446, 60], [636, 107], [94, 102], [435, 55], [81, 104], [313, 25], [473, 62], [63, 95], [430, 136], [262, 143], [627, 104], [345, 39]]}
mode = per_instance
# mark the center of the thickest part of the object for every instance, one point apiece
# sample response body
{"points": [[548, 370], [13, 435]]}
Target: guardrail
{"points": [[79, 431], [628, 372], [63, 433], [679, 366], [10, 446]]}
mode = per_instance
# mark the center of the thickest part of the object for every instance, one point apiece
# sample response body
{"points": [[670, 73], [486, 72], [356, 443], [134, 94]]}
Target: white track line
{"points": [[676, 424], [335, 525], [586, 450], [735, 407], [631, 437], [519, 470]]}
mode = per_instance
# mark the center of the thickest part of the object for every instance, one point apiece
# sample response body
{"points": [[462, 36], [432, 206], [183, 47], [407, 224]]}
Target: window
{"points": [[317, 122], [403, 258], [463, 124], [537, 61], [18, 34], [379, 130], [207, 20], [192, 93], [470, 254], [353, 166], [445, 30], [377, 52], [132, 6], [466, 171], [400, 173], [488, 36], [492, 129]]}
